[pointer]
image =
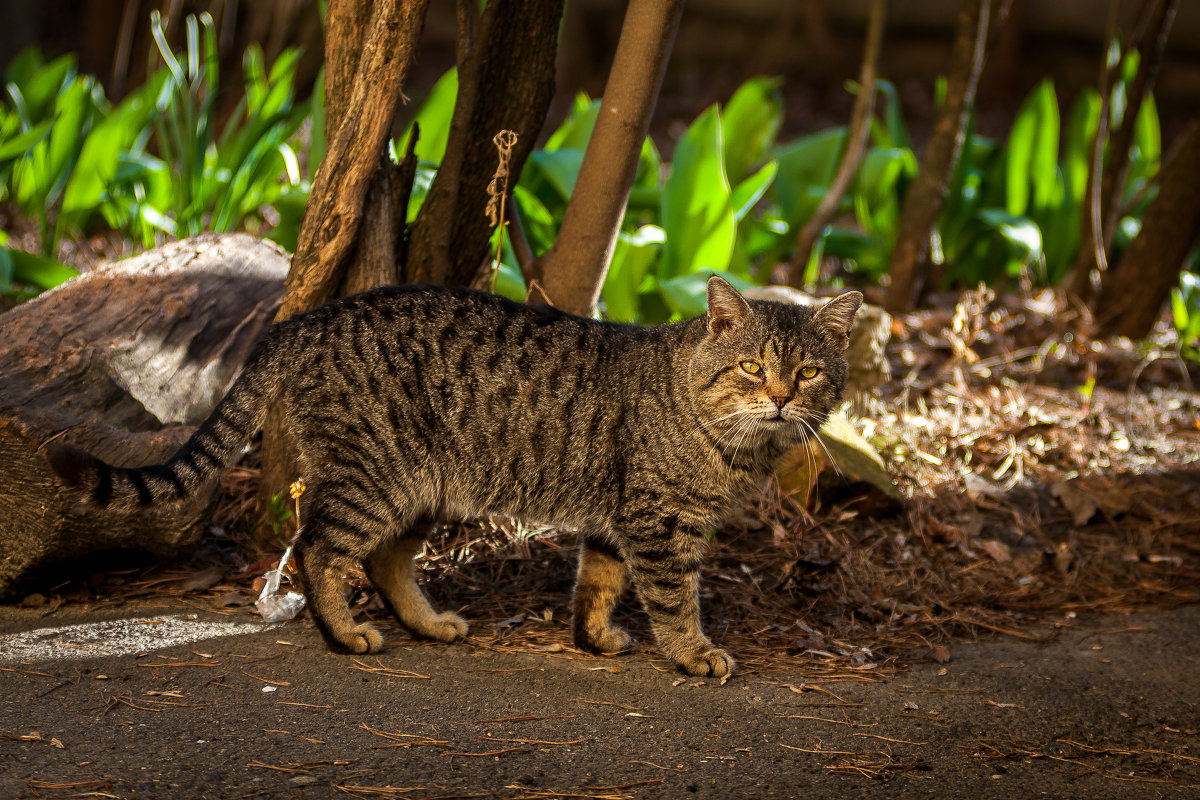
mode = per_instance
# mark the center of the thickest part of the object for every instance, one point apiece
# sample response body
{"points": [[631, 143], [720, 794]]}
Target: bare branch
{"points": [[856, 144], [925, 197]]}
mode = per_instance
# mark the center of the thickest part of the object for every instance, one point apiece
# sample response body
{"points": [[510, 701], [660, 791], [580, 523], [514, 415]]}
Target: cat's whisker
{"points": [[837, 468], [717, 420], [750, 427], [744, 418]]}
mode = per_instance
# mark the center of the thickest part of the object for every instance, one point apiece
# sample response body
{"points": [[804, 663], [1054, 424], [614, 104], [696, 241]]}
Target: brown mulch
{"points": [[1045, 475]]}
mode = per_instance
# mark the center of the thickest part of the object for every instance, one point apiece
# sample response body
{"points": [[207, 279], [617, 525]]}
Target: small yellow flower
{"points": [[296, 489]]}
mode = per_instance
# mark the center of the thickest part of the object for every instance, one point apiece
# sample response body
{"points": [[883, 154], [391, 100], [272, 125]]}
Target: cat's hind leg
{"points": [[327, 545], [599, 584], [390, 568]]}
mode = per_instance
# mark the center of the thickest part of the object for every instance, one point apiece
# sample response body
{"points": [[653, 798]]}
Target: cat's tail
{"points": [[216, 444]]}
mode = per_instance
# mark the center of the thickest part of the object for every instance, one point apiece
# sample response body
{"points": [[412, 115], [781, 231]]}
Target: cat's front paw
{"points": [[714, 662], [445, 627]]}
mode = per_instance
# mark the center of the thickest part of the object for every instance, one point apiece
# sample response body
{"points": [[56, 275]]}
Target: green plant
{"points": [[61, 143], [1185, 313], [202, 179], [679, 228], [278, 514], [24, 275]]}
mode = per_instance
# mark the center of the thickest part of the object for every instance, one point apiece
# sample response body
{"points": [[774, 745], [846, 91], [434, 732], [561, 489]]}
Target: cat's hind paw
{"points": [[715, 663], [360, 640], [611, 640]]}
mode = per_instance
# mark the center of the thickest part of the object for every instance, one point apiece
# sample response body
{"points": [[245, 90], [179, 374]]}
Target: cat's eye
{"points": [[808, 372], [753, 367]]}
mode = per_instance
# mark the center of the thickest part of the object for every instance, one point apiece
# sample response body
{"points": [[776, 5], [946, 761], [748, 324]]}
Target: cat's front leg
{"points": [[599, 584], [664, 561]]}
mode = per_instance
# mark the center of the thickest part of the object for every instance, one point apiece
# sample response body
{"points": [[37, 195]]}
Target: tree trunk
{"points": [[924, 199], [333, 219], [572, 271], [375, 258], [1134, 291], [856, 145], [506, 83], [122, 362]]}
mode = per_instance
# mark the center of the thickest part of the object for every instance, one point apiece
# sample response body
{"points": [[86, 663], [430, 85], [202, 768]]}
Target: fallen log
{"points": [[123, 362]]}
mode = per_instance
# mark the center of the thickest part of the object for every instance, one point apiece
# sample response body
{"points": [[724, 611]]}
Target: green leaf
{"points": [[866, 252], [893, 133], [992, 245], [40, 271], [576, 130], [317, 142], [649, 167], [433, 118], [1082, 122], [879, 187], [540, 226], [751, 121], [509, 282], [557, 169], [1032, 154], [633, 257], [687, 295], [39, 93], [6, 264], [751, 190], [22, 68], [1146, 151], [697, 212], [290, 208], [20, 144], [806, 168], [158, 32]]}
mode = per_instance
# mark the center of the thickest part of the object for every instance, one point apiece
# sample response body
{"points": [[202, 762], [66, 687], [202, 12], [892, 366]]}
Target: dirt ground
{"points": [[154, 707]]}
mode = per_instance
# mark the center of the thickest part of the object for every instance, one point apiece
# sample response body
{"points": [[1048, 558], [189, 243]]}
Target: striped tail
{"points": [[217, 443]]}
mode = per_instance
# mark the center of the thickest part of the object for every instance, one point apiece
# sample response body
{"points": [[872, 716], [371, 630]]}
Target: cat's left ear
{"points": [[726, 308], [835, 317]]}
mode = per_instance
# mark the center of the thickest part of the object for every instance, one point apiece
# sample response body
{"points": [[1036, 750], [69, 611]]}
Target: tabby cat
{"points": [[410, 405]]}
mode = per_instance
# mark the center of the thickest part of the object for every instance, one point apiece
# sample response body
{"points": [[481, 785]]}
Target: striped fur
{"points": [[414, 404]]}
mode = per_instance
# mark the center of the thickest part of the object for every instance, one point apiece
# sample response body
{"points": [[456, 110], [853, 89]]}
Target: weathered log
{"points": [[122, 362]]}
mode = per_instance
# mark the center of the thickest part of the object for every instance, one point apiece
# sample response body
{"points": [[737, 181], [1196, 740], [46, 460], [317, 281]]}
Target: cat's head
{"points": [[767, 369]]}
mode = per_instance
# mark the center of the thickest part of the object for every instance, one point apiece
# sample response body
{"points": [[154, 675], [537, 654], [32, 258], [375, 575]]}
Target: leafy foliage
{"points": [[1185, 313], [155, 163]]}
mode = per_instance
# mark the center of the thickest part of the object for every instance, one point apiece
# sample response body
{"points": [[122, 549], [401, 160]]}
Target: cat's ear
{"points": [[726, 308], [835, 317]]}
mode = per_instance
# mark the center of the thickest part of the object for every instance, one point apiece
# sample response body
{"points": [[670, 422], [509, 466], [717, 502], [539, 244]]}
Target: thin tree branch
{"points": [[927, 194], [520, 243], [1084, 280], [856, 145], [1151, 45]]}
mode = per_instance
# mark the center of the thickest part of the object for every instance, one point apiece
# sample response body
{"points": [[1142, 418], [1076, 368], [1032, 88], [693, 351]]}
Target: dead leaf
{"points": [[205, 579], [999, 551], [1079, 503]]}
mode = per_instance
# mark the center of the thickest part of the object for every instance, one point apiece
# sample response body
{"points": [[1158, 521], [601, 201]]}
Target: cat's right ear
{"points": [[726, 308]]}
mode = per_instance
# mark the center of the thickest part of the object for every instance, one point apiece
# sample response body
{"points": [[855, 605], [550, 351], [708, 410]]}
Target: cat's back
{"points": [[525, 406]]}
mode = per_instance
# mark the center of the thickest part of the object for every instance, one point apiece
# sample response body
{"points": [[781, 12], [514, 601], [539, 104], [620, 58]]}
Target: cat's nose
{"points": [[779, 402]]}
